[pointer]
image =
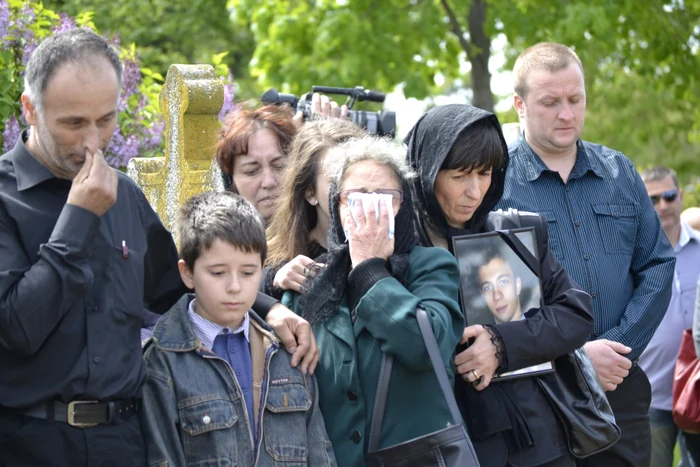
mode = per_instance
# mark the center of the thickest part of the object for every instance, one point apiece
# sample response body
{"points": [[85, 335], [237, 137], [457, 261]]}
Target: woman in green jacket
{"points": [[363, 303]]}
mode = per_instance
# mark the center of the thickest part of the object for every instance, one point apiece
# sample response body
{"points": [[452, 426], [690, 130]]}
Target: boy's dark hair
{"points": [[219, 215], [479, 146]]}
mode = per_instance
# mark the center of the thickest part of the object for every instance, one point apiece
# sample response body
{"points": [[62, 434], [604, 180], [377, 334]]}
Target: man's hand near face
{"points": [[95, 186]]}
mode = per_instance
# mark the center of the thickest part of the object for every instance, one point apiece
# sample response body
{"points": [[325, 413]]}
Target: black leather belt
{"points": [[84, 414]]}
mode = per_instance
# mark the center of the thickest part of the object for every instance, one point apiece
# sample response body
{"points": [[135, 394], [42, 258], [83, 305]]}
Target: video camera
{"points": [[378, 123]]}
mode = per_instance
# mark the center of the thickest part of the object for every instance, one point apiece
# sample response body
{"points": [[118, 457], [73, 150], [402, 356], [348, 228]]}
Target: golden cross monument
{"points": [[190, 100]]}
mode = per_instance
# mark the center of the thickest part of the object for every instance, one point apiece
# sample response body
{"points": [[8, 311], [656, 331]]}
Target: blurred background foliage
{"points": [[23, 25]]}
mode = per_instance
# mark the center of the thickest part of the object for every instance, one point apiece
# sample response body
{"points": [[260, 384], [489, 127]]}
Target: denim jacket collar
{"points": [[173, 332]]}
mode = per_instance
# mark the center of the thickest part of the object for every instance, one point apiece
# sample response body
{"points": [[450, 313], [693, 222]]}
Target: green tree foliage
{"points": [[172, 31], [657, 39], [647, 122], [354, 42], [641, 58], [23, 25], [691, 198]]}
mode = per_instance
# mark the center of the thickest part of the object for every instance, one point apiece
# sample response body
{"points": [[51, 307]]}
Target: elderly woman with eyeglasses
{"points": [[363, 303]]}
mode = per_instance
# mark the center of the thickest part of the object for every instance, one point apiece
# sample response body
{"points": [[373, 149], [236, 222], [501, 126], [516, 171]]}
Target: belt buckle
{"points": [[71, 414]]}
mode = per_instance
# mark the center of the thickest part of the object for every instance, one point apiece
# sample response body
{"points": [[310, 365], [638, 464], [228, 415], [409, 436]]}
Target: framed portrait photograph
{"points": [[496, 286]]}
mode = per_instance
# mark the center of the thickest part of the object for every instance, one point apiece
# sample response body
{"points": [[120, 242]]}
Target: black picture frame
{"points": [[496, 286]]}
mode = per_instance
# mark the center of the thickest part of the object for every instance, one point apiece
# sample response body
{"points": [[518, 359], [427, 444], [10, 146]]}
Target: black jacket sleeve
{"points": [[263, 304], [162, 283], [267, 286]]}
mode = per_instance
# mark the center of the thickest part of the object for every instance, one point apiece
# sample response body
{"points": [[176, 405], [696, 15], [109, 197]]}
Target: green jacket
{"points": [[351, 354]]}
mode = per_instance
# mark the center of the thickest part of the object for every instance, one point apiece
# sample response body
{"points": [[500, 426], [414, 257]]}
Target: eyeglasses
{"points": [[668, 196], [396, 195]]}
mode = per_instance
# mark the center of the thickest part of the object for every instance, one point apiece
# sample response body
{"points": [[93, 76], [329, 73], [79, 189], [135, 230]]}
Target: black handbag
{"points": [[574, 389], [450, 446]]}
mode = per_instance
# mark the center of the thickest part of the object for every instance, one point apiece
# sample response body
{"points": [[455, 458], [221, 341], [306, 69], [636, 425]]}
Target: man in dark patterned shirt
{"points": [[602, 228]]}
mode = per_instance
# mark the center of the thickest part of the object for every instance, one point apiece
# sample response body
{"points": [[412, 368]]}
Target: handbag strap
{"points": [[431, 345], [436, 359], [380, 401]]}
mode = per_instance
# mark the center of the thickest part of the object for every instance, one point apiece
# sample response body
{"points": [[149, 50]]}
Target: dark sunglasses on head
{"points": [[668, 196]]}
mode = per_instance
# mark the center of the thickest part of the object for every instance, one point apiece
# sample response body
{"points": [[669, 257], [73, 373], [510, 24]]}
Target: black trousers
{"points": [[28, 441], [630, 403]]}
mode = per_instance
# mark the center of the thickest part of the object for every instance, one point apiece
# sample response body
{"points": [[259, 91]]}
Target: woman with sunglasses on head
{"points": [[461, 157], [363, 303], [298, 231]]}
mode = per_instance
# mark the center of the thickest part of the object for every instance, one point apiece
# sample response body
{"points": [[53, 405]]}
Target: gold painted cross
{"points": [[190, 101]]}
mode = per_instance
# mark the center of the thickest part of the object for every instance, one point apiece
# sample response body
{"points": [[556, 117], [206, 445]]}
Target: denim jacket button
{"points": [[206, 420]]}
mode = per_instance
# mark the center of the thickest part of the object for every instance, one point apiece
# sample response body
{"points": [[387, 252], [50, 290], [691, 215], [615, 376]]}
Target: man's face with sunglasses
{"points": [[667, 200]]}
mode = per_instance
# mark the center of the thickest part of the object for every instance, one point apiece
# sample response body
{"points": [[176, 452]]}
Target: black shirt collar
{"points": [[28, 170]]}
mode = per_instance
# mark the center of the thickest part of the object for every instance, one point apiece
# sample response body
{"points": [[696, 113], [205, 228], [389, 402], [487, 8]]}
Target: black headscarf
{"points": [[429, 142], [493, 410], [324, 293]]}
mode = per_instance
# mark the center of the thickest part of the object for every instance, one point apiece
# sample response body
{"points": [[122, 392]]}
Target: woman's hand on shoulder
{"points": [[479, 362], [296, 335], [292, 275], [369, 237]]}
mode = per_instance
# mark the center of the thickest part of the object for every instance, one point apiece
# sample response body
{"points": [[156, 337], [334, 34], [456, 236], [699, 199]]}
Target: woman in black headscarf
{"points": [[461, 158]]}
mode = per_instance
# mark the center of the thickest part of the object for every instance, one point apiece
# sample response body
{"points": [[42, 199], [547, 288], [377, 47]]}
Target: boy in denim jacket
{"points": [[218, 389]]}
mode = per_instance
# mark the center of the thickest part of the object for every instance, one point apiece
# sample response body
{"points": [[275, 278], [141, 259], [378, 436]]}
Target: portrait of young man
{"points": [[500, 288]]}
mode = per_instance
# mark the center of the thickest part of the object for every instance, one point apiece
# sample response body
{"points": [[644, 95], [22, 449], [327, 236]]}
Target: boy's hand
{"points": [[296, 336]]}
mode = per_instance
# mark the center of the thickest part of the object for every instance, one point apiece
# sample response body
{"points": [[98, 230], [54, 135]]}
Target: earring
{"points": [[313, 202]]}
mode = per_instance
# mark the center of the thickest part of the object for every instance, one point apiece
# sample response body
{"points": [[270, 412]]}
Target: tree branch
{"points": [[457, 29]]}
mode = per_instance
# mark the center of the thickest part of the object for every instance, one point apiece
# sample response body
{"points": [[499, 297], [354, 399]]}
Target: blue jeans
{"points": [[690, 448], [664, 434]]}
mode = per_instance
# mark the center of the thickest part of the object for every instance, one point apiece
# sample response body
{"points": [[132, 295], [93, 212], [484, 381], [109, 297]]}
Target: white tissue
{"points": [[365, 199]]}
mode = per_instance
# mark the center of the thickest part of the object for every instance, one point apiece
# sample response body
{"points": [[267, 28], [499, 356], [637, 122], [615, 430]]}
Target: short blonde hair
{"points": [[545, 55]]}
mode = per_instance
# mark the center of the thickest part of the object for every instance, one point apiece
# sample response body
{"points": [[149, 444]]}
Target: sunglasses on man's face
{"points": [[668, 196]]}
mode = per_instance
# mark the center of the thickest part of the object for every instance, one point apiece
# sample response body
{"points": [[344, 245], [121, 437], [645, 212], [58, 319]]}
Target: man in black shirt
{"points": [[82, 254]]}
